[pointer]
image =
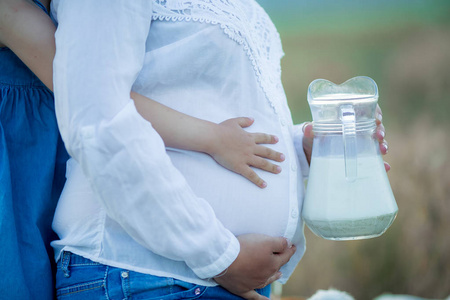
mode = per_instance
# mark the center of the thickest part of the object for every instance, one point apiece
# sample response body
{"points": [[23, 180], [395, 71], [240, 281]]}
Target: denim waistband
{"points": [[68, 260], [71, 259]]}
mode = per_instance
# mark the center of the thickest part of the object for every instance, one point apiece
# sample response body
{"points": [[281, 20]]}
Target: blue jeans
{"points": [[81, 278]]}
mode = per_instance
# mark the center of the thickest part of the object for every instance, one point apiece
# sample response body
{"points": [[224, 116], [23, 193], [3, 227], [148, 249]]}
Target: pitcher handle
{"points": [[349, 136]]}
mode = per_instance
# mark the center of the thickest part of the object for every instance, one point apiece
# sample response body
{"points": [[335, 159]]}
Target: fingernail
{"points": [[303, 127], [387, 166], [289, 243], [276, 139], [382, 134], [282, 157], [264, 184], [278, 169], [386, 147], [379, 117]]}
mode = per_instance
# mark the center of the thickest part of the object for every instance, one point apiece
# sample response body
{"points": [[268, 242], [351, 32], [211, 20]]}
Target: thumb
{"points": [[280, 244], [308, 130], [253, 295], [244, 121], [308, 138]]}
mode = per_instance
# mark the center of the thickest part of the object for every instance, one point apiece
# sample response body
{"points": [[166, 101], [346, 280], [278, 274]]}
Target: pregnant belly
{"points": [[239, 204]]}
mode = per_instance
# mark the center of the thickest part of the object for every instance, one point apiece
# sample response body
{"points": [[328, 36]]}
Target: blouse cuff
{"points": [[222, 263], [298, 144]]}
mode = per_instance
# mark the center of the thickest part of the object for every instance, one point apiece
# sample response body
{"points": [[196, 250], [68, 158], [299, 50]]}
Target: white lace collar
{"points": [[245, 22]]}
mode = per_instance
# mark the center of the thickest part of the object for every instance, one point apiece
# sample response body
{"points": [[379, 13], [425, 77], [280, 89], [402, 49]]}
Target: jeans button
{"points": [[124, 274], [197, 291]]}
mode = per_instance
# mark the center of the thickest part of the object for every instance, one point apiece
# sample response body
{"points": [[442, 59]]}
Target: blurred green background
{"points": [[404, 45]]}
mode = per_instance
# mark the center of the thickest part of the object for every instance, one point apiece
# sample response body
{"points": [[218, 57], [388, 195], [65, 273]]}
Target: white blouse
{"points": [[129, 202]]}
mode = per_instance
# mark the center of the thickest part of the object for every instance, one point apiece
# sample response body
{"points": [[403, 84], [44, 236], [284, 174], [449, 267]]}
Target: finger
{"points": [[279, 244], [244, 121], [380, 133], [253, 295], [308, 130], [384, 148], [378, 109], [264, 138], [307, 143], [378, 115], [283, 257], [387, 166], [269, 153], [271, 279], [264, 164], [251, 175], [308, 135], [308, 139]]}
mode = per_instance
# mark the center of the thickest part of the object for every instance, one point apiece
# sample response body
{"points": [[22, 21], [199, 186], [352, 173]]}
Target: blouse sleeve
{"points": [[298, 143], [100, 51]]}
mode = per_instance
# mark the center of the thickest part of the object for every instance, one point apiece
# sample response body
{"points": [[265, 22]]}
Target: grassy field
{"points": [[407, 52]]}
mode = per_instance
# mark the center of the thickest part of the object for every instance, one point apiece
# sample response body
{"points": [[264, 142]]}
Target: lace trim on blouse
{"points": [[246, 23]]}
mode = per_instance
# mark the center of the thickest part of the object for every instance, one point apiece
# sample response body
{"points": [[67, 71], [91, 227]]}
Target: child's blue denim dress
{"points": [[32, 174]]}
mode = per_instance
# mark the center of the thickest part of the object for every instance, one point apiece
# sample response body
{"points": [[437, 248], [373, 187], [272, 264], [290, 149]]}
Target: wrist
{"points": [[221, 273], [211, 139]]}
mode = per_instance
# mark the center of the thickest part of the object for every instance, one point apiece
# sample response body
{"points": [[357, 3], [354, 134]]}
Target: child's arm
{"points": [[227, 142], [29, 32]]}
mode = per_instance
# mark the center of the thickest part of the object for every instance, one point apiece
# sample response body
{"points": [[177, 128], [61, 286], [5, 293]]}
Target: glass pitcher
{"points": [[348, 195]]}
